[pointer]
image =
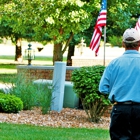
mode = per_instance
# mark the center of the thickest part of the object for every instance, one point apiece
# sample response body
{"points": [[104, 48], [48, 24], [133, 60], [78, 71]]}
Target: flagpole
{"points": [[104, 43]]}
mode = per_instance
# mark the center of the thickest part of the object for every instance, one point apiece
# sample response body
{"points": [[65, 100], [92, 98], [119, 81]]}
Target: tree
{"points": [[122, 14], [119, 17], [7, 30], [60, 19]]}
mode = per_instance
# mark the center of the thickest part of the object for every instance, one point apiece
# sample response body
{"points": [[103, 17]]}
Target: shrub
{"points": [[10, 103], [86, 81], [115, 41], [30, 94]]}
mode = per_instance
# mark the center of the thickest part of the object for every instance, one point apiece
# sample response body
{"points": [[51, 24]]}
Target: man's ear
{"points": [[123, 44], [139, 43]]}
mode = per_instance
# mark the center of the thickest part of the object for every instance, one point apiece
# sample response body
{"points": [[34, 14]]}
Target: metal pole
{"points": [[104, 43], [29, 61]]}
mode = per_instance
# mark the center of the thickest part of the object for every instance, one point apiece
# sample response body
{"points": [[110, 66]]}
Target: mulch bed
{"points": [[67, 118]]}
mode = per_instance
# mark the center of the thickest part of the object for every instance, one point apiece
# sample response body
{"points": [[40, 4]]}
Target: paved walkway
{"points": [[5, 87]]}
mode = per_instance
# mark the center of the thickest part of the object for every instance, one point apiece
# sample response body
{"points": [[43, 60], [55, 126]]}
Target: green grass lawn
{"points": [[38, 58], [7, 69], [8, 65], [11, 63], [28, 132], [6, 78]]}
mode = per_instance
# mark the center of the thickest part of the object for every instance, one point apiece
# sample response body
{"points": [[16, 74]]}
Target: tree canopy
{"points": [[59, 20]]}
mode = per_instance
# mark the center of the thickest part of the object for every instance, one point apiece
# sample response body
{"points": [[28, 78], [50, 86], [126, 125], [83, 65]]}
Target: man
{"points": [[121, 80]]}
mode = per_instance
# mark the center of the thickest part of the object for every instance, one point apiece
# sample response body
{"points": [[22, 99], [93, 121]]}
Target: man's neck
{"points": [[136, 49]]}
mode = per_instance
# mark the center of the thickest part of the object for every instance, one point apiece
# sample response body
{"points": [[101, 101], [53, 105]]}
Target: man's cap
{"points": [[131, 35]]}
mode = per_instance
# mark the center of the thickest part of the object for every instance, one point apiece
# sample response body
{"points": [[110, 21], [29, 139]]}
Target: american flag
{"points": [[137, 27], [101, 21]]}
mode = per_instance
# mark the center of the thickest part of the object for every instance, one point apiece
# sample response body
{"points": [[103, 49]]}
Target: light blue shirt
{"points": [[121, 78]]}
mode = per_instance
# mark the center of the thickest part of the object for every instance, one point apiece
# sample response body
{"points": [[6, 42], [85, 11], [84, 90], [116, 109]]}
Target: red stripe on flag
{"points": [[137, 27]]}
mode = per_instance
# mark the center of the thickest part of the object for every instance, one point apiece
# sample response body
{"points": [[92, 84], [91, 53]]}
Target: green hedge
{"points": [[86, 82], [10, 103]]}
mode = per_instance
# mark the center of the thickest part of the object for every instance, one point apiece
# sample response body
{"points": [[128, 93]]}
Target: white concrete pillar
{"points": [[59, 74]]}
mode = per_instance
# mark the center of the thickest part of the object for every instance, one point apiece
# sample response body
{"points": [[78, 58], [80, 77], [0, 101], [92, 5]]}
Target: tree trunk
{"points": [[18, 52], [70, 54], [57, 53]]}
